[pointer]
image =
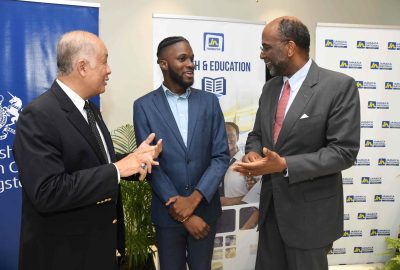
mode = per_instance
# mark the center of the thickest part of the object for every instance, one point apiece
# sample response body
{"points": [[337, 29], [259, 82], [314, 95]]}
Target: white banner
{"points": [[371, 55], [227, 63]]}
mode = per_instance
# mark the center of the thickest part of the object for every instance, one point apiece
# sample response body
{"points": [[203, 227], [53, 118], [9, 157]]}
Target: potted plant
{"points": [[393, 244], [136, 200]]}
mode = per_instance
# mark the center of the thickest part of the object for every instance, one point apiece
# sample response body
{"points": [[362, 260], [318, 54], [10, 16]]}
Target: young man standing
{"points": [[186, 204]]}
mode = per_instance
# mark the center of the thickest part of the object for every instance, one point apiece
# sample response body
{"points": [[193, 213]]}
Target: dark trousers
{"points": [[176, 247], [274, 254]]}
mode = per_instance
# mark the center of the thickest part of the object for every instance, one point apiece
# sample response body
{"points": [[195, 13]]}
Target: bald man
{"points": [[71, 205], [307, 130]]}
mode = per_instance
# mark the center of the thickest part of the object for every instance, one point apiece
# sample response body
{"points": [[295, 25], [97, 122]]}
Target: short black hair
{"points": [[168, 42], [234, 126], [296, 31]]}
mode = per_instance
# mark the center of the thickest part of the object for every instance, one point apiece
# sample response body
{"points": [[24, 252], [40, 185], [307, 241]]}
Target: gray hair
{"points": [[73, 46]]}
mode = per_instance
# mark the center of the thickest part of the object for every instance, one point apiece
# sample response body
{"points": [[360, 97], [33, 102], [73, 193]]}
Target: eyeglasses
{"points": [[265, 48]]}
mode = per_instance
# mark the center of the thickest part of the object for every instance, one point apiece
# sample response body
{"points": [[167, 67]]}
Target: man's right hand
{"points": [[146, 143], [141, 160], [251, 157], [197, 227]]}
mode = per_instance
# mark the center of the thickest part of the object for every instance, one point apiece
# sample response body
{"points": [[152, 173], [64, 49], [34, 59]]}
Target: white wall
{"points": [[126, 28]]}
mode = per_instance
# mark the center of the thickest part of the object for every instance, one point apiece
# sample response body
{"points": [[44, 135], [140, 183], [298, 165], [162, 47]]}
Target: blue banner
{"points": [[29, 32]]}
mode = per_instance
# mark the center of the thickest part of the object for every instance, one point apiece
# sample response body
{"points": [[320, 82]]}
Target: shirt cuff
{"points": [[119, 176]]}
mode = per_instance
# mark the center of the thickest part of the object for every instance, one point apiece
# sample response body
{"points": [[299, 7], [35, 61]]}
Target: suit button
{"points": [[187, 187], [114, 221], [188, 161]]}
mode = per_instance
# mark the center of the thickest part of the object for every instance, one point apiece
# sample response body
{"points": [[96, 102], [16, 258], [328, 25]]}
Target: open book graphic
{"points": [[216, 86]]}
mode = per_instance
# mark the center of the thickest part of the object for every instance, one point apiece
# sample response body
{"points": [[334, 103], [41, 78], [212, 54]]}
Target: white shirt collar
{"points": [[170, 93], [75, 98], [298, 78]]}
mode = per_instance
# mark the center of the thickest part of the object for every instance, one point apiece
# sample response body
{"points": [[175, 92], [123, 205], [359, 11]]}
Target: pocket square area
{"points": [[304, 116]]}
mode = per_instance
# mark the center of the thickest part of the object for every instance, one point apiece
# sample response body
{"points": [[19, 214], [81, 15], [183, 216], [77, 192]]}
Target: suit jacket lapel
{"points": [[161, 104], [77, 119], [299, 103], [276, 86], [194, 106], [104, 131]]}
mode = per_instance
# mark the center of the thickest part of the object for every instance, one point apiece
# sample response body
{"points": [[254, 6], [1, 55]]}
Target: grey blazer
{"points": [[309, 203]]}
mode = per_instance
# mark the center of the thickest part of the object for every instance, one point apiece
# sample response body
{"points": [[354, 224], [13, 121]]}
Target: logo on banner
{"points": [[364, 215], [362, 162], [334, 251], [388, 162], [367, 124], [392, 85], [380, 105], [331, 43], [363, 249], [213, 42], [381, 65], [377, 232], [350, 64], [390, 124], [361, 44], [374, 143], [356, 198], [365, 85], [392, 46], [9, 115], [216, 86], [384, 198], [366, 180], [346, 216], [347, 180], [352, 233]]}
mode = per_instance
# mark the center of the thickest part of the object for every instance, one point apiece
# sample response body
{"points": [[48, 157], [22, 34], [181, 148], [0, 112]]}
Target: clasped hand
{"points": [[253, 164], [182, 208]]}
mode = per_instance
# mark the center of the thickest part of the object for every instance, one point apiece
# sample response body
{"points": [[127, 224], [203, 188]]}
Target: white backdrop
{"points": [[371, 55], [227, 64]]}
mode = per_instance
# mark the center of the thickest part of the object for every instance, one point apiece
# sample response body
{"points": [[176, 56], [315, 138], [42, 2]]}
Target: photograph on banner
{"points": [[371, 55], [229, 67]]}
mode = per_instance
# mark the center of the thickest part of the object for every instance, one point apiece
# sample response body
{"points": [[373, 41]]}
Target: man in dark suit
{"points": [[185, 205], [71, 205], [307, 130]]}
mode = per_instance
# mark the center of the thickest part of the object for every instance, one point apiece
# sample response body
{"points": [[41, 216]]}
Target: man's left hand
{"points": [[270, 163], [183, 207]]}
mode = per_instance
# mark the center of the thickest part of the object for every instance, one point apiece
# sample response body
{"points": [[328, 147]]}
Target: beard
{"points": [[178, 79], [279, 67]]}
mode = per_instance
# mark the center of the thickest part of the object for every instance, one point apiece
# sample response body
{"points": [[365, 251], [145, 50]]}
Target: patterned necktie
{"points": [[280, 111], [93, 128]]}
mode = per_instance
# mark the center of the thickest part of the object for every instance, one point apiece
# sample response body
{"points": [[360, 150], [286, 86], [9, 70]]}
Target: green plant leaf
{"points": [[393, 245], [136, 201]]}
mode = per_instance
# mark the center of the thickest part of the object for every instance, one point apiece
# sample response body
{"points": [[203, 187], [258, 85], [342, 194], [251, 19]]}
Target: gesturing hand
{"points": [[141, 160], [146, 143], [270, 163]]}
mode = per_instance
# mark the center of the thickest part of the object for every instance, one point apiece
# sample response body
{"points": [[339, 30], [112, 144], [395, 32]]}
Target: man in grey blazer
{"points": [[307, 130]]}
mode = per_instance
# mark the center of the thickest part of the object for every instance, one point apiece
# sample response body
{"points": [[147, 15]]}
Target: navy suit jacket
{"points": [[200, 165]]}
